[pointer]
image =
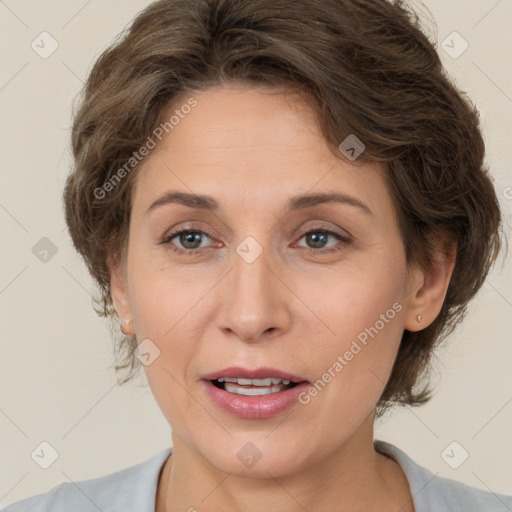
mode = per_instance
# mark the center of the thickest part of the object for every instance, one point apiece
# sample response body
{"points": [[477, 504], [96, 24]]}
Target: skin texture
{"points": [[295, 308]]}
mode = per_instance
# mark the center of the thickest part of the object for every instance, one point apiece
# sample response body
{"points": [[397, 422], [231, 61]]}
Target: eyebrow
{"points": [[298, 202]]}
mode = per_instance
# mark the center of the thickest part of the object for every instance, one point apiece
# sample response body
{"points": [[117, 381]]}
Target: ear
{"points": [[428, 289], [118, 288]]}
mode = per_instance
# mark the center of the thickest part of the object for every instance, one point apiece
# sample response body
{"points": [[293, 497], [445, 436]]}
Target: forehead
{"points": [[241, 143]]}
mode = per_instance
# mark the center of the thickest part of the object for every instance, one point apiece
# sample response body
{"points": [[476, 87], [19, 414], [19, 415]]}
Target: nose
{"points": [[254, 301]]}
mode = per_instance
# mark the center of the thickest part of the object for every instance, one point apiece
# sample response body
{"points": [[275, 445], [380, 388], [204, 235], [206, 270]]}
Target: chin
{"points": [[255, 456]]}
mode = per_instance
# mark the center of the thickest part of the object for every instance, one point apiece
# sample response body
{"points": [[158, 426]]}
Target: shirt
{"points": [[134, 490]]}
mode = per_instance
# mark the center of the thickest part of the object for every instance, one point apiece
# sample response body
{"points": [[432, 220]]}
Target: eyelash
{"points": [[189, 252]]}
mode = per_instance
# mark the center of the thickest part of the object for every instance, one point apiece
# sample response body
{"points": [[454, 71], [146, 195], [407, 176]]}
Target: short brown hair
{"points": [[369, 70]]}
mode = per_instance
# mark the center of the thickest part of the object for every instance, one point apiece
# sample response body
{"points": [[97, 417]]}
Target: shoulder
{"points": [[433, 493], [131, 489]]}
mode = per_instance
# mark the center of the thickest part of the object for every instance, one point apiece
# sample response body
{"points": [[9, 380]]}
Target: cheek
{"points": [[362, 313], [162, 297], [167, 312], [166, 308]]}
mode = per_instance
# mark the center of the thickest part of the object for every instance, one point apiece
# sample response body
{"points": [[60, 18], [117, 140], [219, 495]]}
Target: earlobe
{"points": [[427, 297], [118, 289], [125, 329]]}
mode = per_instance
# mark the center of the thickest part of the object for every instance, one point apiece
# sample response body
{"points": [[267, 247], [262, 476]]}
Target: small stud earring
{"points": [[123, 323], [418, 318]]}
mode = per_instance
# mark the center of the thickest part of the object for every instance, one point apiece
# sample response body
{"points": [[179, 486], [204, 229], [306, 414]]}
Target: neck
{"points": [[353, 478]]}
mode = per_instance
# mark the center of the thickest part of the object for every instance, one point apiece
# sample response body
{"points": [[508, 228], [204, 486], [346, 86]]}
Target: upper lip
{"points": [[253, 373]]}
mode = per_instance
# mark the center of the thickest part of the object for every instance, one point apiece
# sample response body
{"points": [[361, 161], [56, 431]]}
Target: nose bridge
{"points": [[253, 300]]}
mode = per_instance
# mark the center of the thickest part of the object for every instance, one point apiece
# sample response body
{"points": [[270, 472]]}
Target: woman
{"points": [[285, 206]]}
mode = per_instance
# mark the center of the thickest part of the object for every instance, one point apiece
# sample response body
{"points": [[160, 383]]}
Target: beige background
{"points": [[55, 382]]}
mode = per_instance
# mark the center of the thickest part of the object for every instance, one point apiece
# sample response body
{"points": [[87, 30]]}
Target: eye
{"points": [[190, 241], [318, 238], [187, 241]]}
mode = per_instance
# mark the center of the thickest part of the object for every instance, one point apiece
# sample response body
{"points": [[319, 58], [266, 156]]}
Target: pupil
{"points": [[317, 239], [190, 237]]}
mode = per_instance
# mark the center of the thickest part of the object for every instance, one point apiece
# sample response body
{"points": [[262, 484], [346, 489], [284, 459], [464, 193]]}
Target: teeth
{"points": [[254, 382], [262, 382], [251, 391]]}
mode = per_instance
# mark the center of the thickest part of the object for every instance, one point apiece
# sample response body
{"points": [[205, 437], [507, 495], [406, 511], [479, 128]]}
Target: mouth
{"points": [[254, 393], [252, 387]]}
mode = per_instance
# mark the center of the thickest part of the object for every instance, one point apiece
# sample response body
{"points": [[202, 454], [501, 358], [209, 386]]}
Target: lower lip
{"points": [[255, 407]]}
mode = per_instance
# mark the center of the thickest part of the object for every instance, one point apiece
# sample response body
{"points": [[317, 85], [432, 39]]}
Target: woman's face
{"points": [[266, 280]]}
